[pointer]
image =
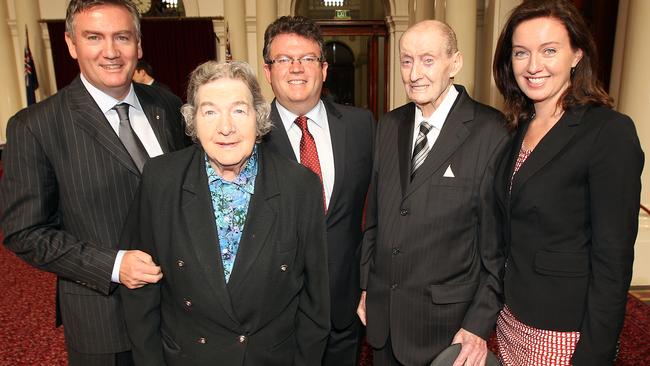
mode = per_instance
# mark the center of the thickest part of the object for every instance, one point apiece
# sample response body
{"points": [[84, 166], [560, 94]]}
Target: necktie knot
{"points": [[425, 127], [122, 110], [301, 122]]}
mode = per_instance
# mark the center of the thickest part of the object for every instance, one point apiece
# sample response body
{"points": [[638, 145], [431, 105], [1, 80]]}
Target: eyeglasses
{"points": [[305, 60]]}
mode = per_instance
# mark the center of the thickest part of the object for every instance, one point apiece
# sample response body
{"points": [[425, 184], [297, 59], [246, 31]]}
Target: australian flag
{"points": [[31, 81]]}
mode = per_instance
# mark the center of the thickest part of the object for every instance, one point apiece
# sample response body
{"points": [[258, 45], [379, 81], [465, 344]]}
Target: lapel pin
{"points": [[157, 116]]}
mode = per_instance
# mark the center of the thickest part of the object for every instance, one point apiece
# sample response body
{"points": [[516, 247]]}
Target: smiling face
{"points": [[226, 125], [107, 48], [542, 59], [296, 86], [427, 70]]}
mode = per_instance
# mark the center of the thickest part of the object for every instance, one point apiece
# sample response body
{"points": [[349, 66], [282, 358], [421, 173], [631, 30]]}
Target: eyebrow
{"points": [[542, 45]]}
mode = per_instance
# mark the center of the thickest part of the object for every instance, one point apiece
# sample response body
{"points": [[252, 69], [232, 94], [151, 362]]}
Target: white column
{"points": [[461, 16], [634, 92], [267, 12], [10, 101], [235, 17]]}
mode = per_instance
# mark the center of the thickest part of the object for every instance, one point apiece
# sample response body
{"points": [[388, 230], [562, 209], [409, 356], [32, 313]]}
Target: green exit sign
{"points": [[342, 14]]}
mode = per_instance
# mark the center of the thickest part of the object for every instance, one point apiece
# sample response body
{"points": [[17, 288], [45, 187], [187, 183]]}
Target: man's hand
{"points": [[474, 349], [138, 269], [361, 309]]}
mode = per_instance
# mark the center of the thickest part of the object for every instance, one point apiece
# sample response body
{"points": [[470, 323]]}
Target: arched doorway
{"points": [[364, 33], [339, 86]]}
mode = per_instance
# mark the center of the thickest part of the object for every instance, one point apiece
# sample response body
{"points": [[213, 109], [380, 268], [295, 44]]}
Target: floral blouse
{"points": [[230, 203]]}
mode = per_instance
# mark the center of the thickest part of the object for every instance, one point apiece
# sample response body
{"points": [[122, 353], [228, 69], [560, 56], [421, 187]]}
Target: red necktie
{"points": [[308, 151]]}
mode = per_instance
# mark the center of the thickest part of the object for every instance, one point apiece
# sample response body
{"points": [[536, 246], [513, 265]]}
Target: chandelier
{"points": [[333, 2]]}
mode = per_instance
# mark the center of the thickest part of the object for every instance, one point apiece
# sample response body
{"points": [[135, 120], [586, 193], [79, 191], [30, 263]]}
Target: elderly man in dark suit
{"points": [[432, 258], [336, 142], [239, 233], [72, 165]]}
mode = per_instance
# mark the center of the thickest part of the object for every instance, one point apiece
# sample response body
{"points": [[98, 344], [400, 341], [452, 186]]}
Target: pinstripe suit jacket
{"points": [[66, 190], [432, 256]]}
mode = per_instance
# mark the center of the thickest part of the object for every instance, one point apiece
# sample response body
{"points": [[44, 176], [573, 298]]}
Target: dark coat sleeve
{"points": [[614, 195], [30, 217]]}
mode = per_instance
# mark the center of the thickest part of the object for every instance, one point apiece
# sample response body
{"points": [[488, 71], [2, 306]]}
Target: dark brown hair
{"points": [[299, 25], [585, 87]]}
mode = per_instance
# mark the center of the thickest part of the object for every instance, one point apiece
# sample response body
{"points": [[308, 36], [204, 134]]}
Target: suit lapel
{"points": [[404, 142], [278, 137], [199, 217], [87, 115], [549, 146], [261, 217], [156, 116], [453, 134], [338, 135]]}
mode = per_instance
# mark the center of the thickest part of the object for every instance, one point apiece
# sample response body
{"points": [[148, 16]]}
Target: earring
{"points": [[573, 71]]}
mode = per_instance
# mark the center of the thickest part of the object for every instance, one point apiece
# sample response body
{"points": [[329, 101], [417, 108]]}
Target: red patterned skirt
{"points": [[523, 345]]}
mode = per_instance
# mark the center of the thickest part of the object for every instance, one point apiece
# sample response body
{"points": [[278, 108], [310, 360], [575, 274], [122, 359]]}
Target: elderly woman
{"points": [[569, 193], [239, 234]]}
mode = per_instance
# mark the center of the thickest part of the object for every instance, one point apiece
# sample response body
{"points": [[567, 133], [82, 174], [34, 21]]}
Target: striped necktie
{"points": [[421, 148]]}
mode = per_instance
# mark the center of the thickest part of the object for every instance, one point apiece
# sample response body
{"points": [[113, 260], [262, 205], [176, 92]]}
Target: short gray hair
{"points": [[78, 6], [212, 71]]}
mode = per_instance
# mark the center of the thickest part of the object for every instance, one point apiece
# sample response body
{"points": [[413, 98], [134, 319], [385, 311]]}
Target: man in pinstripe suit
{"points": [[70, 177], [431, 258]]}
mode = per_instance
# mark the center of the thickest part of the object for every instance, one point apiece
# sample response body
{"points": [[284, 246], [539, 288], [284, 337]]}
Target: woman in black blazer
{"points": [[569, 193], [239, 233]]}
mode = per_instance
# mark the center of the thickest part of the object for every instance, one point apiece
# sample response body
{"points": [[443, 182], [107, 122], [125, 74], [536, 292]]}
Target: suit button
{"points": [[393, 286], [284, 268], [403, 212], [202, 340], [396, 251], [241, 338], [180, 263], [187, 303]]}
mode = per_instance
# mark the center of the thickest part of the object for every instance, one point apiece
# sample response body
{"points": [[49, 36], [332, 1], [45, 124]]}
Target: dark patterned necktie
{"points": [[308, 151], [421, 148], [129, 138]]}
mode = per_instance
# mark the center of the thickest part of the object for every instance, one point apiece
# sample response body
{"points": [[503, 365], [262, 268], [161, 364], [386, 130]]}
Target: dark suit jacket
{"points": [[66, 189], [571, 223], [432, 256], [352, 133], [274, 309]]}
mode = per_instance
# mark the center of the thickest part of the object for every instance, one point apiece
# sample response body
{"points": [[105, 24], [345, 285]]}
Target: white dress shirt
{"points": [[319, 128], [436, 120], [141, 127]]}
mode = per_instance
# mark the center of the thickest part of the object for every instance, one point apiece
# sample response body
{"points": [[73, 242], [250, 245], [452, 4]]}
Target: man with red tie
{"points": [[336, 143]]}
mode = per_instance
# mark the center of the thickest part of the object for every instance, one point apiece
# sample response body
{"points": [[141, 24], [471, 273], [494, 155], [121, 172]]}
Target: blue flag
{"points": [[31, 81]]}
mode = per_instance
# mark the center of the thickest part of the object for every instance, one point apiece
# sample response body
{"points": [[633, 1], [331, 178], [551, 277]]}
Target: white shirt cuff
{"points": [[115, 276]]}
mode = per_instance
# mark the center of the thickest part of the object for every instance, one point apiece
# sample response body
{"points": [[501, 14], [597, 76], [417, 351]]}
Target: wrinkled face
{"points": [[426, 68], [107, 48], [226, 125], [542, 59], [296, 86]]}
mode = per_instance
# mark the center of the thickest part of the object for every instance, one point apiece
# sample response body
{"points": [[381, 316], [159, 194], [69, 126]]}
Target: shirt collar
{"points": [[316, 115], [105, 101], [246, 178], [437, 119]]}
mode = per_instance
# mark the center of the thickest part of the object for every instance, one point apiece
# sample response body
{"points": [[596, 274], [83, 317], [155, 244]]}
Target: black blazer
{"points": [[432, 258], [274, 309], [571, 223], [65, 193], [352, 133]]}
